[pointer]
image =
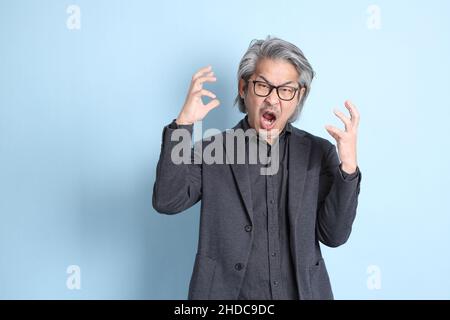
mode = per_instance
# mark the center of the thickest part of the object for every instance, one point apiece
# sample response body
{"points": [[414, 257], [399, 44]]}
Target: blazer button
{"points": [[248, 228], [238, 266]]}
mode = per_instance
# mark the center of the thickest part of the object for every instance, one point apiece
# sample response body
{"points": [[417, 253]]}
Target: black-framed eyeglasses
{"points": [[264, 89]]}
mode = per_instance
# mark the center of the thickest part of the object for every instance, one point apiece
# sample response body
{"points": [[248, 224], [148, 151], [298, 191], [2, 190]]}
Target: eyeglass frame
{"points": [[271, 87]]}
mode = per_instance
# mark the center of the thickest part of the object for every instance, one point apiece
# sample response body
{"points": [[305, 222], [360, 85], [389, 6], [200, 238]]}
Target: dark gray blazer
{"points": [[321, 207]]}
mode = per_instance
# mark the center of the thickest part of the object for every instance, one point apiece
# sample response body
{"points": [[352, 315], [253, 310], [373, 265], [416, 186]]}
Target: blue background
{"points": [[82, 111]]}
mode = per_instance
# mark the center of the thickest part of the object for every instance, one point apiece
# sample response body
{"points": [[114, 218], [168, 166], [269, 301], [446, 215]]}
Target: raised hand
{"points": [[346, 140], [194, 109]]}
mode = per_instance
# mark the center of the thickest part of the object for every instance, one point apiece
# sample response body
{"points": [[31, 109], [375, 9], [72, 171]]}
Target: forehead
{"points": [[276, 71]]}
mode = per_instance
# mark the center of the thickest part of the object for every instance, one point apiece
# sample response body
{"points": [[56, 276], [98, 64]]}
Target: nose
{"points": [[272, 98]]}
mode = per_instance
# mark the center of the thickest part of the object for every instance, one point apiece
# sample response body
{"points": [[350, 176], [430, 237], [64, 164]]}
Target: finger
{"points": [[354, 114], [200, 72], [212, 104], [347, 121], [334, 132], [205, 92], [206, 74], [197, 84]]}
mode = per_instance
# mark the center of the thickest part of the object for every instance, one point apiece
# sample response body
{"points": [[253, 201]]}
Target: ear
{"points": [[302, 92], [242, 88]]}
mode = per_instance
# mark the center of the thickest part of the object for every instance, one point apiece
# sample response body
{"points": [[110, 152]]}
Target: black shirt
{"points": [[270, 272]]}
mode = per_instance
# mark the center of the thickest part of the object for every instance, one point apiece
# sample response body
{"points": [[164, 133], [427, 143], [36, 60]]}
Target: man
{"points": [[260, 230]]}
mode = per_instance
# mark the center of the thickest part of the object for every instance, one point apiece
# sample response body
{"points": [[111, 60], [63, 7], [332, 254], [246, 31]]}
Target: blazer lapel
{"points": [[299, 150], [242, 177]]}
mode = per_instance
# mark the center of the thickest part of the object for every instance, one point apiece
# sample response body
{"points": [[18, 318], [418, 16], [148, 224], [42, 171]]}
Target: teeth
{"points": [[269, 122]]}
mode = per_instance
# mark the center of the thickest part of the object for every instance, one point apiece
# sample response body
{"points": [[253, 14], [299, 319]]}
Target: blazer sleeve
{"points": [[177, 186], [338, 200]]}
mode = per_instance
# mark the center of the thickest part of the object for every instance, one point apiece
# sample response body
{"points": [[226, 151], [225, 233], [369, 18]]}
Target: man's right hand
{"points": [[194, 109]]}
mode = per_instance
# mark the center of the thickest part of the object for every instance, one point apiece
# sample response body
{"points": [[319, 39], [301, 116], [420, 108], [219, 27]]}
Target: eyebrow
{"points": [[260, 76]]}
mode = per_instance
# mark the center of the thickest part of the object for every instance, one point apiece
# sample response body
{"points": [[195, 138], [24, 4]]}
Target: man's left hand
{"points": [[346, 140]]}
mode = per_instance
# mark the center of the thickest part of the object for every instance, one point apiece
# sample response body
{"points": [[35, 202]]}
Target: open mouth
{"points": [[268, 119]]}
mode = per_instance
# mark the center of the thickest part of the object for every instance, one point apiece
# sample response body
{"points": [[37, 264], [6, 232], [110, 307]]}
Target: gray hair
{"points": [[275, 48]]}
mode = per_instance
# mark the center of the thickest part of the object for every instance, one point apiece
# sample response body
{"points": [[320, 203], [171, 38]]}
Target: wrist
{"points": [[180, 120], [348, 168]]}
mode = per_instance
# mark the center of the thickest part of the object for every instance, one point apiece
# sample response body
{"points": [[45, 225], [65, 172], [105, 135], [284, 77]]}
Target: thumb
{"points": [[331, 131], [212, 104]]}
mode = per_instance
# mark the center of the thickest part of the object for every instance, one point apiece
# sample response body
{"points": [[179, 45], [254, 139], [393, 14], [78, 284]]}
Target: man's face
{"points": [[270, 112]]}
